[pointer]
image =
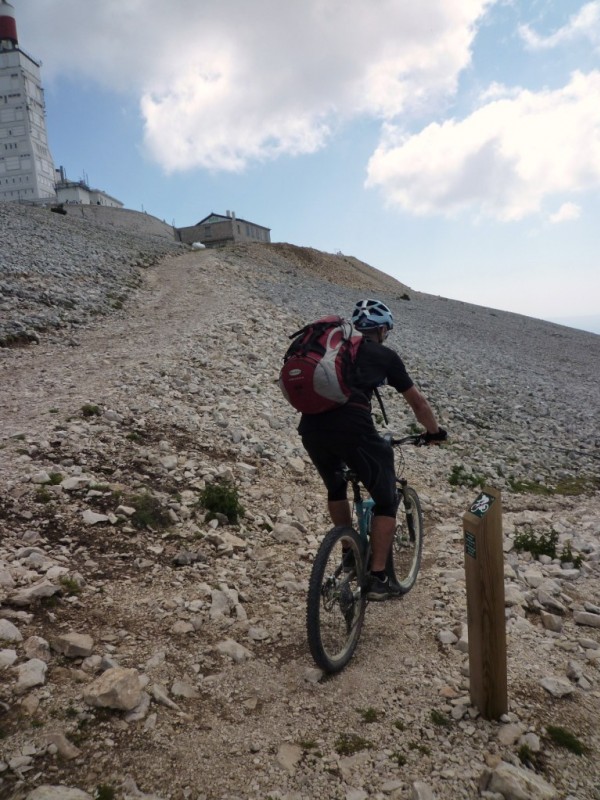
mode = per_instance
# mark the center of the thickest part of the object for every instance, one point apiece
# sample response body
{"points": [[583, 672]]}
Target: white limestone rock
{"points": [[93, 518], [286, 534], [9, 632], [236, 652], [557, 687], [7, 658], [587, 618], [288, 757], [514, 783], [31, 673], [38, 591], [117, 688], [74, 645], [57, 793]]}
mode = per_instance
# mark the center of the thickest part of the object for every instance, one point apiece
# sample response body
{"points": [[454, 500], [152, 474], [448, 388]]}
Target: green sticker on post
{"points": [[470, 544], [482, 504]]}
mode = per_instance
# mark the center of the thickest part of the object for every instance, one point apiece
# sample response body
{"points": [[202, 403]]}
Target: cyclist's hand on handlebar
{"points": [[434, 438]]}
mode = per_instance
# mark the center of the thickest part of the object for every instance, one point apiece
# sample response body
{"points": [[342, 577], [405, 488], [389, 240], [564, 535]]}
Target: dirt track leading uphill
{"points": [[182, 383]]}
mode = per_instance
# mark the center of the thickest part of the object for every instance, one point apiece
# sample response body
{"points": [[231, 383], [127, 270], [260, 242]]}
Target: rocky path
{"points": [[71, 369], [164, 656]]}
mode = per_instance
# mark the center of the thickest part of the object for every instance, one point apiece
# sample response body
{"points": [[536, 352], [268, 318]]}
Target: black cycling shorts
{"points": [[366, 453]]}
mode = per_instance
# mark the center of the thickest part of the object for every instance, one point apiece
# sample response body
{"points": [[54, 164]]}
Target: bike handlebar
{"points": [[415, 439], [418, 439]]}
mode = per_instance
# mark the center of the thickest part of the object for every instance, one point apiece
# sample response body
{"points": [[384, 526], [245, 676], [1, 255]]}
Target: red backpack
{"points": [[317, 368]]}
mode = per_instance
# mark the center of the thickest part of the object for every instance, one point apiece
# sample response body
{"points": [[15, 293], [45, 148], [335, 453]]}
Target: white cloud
{"points": [[566, 213], [585, 24], [503, 160], [498, 91], [223, 84]]}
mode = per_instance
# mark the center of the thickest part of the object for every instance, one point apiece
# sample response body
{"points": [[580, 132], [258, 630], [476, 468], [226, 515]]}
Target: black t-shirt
{"points": [[375, 366]]}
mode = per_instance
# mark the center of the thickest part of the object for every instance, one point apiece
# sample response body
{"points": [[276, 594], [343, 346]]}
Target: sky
{"points": [[453, 144]]}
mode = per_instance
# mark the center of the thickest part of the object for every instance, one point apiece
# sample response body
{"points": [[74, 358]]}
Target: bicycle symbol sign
{"points": [[482, 504]]}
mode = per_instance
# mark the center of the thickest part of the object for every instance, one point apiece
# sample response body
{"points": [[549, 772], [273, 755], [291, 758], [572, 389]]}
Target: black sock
{"points": [[379, 573]]}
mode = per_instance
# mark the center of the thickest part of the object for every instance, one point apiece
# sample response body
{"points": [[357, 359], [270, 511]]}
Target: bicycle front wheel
{"points": [[336, 603], [404, 559]]}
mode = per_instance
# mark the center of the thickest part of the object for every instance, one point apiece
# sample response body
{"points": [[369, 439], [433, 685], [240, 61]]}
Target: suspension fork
{"points": [[364, 512], [403, 483]]}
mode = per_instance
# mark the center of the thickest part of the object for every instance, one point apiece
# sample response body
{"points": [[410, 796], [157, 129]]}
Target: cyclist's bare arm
{"points": [[421, 408]]}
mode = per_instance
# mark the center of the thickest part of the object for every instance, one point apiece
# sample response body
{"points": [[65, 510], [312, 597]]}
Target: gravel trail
{"points": [[183, 379]]}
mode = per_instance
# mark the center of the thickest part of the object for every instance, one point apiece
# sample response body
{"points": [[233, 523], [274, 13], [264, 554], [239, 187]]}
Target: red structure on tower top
{"points": [[8, 23]]}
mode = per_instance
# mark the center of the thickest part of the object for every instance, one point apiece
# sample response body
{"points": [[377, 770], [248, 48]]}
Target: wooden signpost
{"points": [[484, 574]]}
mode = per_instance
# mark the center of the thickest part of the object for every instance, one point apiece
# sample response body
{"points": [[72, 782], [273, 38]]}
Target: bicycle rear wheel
{"points": [[336, 603], [404, 559]]}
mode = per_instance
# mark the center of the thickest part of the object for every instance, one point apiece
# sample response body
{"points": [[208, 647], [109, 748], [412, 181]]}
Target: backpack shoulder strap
{"points": [[381, 406]]}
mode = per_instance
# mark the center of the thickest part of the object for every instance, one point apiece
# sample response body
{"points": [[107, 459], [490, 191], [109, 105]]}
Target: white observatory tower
{"points": [[26, 166]]}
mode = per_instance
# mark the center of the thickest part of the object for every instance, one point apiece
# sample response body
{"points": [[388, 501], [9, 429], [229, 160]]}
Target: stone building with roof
{"points": [[218, 230]]}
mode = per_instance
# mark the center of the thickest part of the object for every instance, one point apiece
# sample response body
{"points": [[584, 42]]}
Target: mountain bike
{"points": [[337, 591]]}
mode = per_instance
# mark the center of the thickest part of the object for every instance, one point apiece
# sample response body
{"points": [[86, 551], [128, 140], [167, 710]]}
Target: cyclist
{"points": [[347, 435]]}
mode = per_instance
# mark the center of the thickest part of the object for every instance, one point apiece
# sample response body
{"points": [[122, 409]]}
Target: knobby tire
{"points": [[404, 560], [336, 601]]}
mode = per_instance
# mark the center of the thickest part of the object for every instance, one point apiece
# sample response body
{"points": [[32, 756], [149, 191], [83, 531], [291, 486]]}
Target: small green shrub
{"points": [[440, 719], [149, 512], [55, 478], [399, 725], [542, 545], [567, 556], [221, 498], [42, 495], [570, 487], [422, 748], [528, 757], [369, 714], [528, 487], [460, 477], [307, 744], [399, 758], [105, 792], [349, 743], [566, 739], [90, 410], [573, 487], [70, 585]]}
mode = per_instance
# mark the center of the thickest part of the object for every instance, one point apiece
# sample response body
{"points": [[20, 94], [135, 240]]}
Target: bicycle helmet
{"points": [[370, 314]]}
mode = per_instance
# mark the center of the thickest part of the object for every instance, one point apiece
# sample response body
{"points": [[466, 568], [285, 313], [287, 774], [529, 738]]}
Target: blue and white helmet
{"points": [[370, 314]]}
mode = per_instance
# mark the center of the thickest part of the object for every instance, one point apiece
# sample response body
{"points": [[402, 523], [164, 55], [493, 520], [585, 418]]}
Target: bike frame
{"points": [[338, 591], [364, 507], [364, 514]]}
